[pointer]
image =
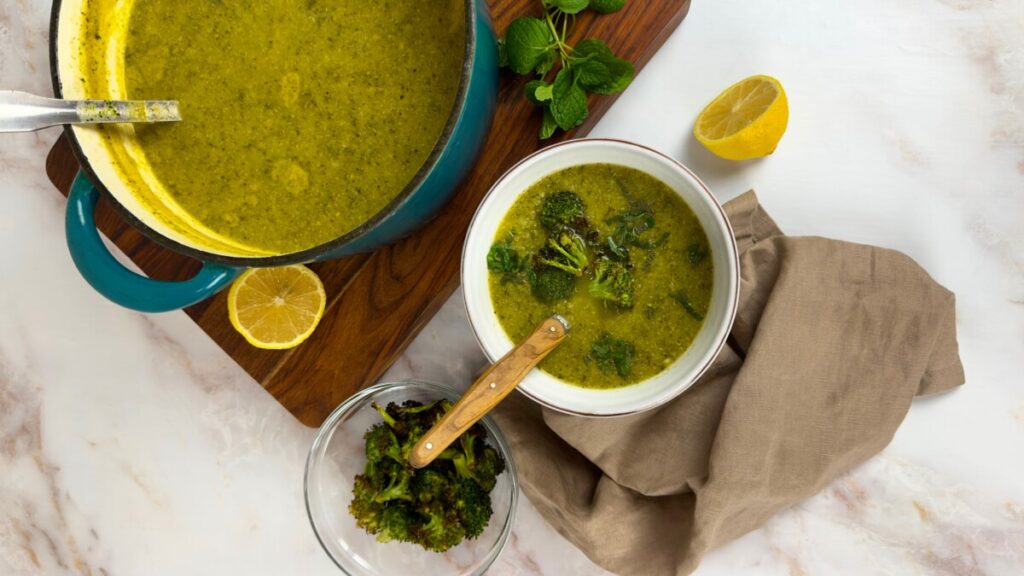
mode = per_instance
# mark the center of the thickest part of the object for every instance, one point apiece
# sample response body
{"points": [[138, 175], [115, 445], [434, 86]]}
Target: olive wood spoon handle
{"points": [[490, 388]]}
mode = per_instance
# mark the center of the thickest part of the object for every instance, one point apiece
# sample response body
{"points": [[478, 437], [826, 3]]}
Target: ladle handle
{"points": [[24, 112], [491, 388]]}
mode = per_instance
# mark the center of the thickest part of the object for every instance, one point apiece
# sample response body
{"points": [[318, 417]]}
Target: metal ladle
{"points": [[24, 112]]}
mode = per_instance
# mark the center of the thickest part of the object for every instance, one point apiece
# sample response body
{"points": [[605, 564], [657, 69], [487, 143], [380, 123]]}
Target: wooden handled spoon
{"points": [[489, 389]]}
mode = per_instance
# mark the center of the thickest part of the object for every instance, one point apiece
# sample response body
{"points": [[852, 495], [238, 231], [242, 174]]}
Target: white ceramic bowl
{"points": [[545, 388]]}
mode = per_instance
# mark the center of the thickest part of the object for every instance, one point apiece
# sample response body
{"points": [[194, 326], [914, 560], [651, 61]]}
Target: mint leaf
{"points": [[538, 92], [622, 76], [529, 45], [567, 6], [568, 101], [546, 63], [621, 72], [610, 353], [535, 46], [593, 48], [607, 6], [544, 93], [548, 126], [591, 73]]}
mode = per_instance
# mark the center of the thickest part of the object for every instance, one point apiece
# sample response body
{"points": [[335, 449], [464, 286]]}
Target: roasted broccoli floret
{"points": [[565, 250], [388, 418], [414, 407], [430, 485], [442, 530], [381, 443], [363, 507], [489, 464], [398, 522], [397, 489], [613, 282], [435, 507], [552, 285], [561, 209], [473, 505], [412, 419], [482, 469], [478, 462]]}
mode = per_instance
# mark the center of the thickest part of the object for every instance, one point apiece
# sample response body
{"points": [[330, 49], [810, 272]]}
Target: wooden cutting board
{"points": [[378, 302]]}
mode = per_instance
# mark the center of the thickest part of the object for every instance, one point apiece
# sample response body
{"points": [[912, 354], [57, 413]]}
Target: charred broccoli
{"points": [[552, 284], [397, 523], [397, 488], [437, 506], [430, 485], [565, 250], [441, 529], [366, 511], [473, 505], [612, 282], [380, 443], [562, 209]]}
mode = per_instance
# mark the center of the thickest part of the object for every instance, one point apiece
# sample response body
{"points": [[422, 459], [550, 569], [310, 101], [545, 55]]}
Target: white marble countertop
{"points": [[131, 444]]}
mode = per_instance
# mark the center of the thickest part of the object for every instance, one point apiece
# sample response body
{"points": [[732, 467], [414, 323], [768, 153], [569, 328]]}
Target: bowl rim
{"points": [[444, 390], [732, 295], [474, 15]]}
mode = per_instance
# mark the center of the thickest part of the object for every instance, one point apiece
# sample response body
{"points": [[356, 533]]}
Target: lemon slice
{"points": [[745, 121], [276, 308]]}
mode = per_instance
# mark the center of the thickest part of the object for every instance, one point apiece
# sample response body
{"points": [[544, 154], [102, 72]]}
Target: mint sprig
{"points": [[532, 46]]}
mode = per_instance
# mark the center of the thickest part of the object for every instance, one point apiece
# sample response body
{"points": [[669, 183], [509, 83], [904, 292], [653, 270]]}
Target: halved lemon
{"points": [[745, 121], [276, 308]]}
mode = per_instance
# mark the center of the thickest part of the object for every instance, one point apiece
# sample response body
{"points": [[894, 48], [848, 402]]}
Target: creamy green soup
{"points": [[302, 119], [670, 263]]}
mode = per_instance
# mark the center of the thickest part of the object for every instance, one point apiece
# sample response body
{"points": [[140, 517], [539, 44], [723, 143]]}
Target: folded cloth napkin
{"points": [[831, 343]]}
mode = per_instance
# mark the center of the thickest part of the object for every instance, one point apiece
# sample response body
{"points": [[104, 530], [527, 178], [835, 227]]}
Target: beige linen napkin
{"points": [[831, 343]]}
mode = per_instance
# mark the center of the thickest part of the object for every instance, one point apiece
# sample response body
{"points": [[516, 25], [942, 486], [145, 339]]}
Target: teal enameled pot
{"points": [[433, 185]]}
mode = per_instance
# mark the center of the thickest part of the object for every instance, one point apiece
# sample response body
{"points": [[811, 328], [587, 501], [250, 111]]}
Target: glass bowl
{"points": [[338, 455]]}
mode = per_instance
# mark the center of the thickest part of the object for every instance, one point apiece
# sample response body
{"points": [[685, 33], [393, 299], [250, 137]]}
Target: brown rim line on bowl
{"points": [[685, 370]]}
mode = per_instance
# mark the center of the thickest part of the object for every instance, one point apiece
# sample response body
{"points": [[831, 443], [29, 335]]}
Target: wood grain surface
{"points": [[378, 302]]}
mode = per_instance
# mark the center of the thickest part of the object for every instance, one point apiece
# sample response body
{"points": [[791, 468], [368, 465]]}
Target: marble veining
{"points": [[131, 444]]}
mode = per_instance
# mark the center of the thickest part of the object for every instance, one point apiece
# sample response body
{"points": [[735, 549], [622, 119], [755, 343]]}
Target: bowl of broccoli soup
{"points": [[311, 130], [625, 243]]}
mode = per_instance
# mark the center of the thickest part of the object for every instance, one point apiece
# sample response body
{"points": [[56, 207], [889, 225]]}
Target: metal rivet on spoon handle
{"points": [[489, 389], [24, 112]]}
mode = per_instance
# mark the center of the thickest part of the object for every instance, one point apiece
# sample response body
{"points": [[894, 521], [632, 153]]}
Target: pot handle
{"points": [[116, 282]]}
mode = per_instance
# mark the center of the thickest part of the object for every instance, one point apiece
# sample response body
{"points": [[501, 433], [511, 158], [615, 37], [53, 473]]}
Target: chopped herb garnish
{"points": [[505, 260], [681, 297], [696, 253], [612, 354]]}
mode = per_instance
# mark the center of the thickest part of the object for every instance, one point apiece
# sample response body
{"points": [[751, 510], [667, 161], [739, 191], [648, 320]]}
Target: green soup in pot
{"points": [[670, 263], [302, 119]]}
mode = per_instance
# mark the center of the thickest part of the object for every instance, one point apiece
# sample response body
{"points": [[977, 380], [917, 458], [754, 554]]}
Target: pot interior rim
{"points": [[301, 256]]}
